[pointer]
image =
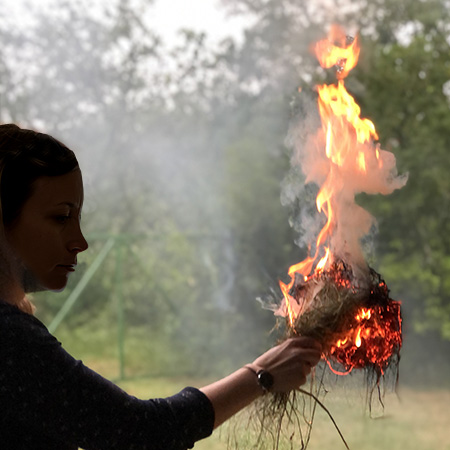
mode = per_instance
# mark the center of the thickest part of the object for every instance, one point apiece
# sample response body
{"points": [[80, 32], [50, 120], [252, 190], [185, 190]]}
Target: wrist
{"points": [[263, 377]]}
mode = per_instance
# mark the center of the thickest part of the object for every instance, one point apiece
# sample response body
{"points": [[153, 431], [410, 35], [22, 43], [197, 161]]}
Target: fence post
{"points": [[120, 309]]}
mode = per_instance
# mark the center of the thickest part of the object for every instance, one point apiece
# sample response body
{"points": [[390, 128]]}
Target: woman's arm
{"points": [[288, 363], [50, 400], [61, 404]]}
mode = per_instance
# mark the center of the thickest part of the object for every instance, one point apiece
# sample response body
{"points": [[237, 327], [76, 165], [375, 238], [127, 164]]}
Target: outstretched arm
{"points": [[289, 364]]}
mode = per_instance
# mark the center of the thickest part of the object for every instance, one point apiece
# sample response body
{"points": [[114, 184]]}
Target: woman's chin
{"points": [[57, 289], [32, 284], [40, 288]]}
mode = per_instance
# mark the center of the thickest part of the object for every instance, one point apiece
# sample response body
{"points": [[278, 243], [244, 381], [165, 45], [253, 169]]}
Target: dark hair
{"points": [[26, 155]]}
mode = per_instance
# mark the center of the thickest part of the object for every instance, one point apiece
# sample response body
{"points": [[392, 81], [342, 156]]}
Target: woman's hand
{"points": [[289, 363]]}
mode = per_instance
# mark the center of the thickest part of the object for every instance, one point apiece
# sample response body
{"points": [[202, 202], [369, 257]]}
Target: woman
{"points": [[48, 399]]}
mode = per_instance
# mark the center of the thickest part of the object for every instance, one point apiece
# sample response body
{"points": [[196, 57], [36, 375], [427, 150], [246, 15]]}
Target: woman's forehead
{"points": [[58, 190]]}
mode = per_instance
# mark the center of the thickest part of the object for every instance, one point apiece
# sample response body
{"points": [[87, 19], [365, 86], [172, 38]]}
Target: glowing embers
{"points": [[374, 337], [357, 322]]}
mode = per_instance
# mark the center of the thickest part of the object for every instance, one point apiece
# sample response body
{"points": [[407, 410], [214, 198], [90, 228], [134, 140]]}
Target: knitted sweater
{"points": [[51, 401]]}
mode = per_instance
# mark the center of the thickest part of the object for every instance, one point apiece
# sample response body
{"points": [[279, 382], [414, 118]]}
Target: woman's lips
{"points": [[68, 267]]}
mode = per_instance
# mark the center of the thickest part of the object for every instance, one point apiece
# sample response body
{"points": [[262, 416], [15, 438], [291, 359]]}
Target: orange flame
{"points": [[343, 127], [343, 55], [321, 264], [346, 145], [345, 135]]}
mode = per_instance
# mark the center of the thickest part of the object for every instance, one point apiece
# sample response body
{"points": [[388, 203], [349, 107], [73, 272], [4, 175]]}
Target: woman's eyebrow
{"points": [[69, 204]]}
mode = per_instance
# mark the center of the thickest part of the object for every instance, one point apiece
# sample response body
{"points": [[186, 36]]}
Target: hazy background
{"points": [[181, 139]]}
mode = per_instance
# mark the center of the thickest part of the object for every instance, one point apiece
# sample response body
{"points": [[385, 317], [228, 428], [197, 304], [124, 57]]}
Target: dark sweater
{"points": [[50, 401]]}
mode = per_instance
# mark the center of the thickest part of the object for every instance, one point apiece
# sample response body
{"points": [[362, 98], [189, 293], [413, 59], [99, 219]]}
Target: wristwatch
{"points": [[263, 377], [265, 380]]}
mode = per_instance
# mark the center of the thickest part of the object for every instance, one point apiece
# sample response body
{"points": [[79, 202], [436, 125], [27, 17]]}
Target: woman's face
{"points": [[47, 237]]}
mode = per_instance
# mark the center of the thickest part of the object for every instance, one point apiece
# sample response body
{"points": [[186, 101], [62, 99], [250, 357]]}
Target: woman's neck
{"points": [[12, 293]]}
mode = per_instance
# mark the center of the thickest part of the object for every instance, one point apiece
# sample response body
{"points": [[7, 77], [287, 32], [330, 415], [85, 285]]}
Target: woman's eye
{"points": [[62, 219]]}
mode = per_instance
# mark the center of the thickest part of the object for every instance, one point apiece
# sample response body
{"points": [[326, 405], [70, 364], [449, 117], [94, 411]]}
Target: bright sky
{"points": [[167, 16], [201, 15]]}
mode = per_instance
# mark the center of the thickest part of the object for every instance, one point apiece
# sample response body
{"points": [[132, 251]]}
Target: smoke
{"points": [[312, 171]]}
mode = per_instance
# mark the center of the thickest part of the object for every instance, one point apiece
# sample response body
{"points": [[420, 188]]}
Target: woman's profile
{"points": [[48, 399]]}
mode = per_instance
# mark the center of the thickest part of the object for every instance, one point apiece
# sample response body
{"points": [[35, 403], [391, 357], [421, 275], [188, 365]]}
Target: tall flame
{"points": [[343, 160]]}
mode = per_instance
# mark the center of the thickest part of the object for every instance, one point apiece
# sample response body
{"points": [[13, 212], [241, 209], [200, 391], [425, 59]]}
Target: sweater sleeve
{"points": [[51, 394]]}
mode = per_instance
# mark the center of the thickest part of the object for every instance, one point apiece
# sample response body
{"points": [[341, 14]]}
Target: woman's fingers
{"points": [[290, 362], [309, 350], [304, 342], [311, 356]]}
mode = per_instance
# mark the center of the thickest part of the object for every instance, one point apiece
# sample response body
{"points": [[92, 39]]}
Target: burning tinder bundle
{"points": [[333, 295], [358, 324]]}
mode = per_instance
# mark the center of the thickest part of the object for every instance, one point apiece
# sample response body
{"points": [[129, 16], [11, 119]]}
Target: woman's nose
{"points": [[81, 245], [78, 242]]}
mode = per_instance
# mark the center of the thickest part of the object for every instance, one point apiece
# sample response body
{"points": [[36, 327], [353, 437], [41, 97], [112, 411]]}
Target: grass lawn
{"points": [[413, 420]]}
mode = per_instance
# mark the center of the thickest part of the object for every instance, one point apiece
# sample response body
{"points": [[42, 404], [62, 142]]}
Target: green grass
{"points": [[413, 420]]}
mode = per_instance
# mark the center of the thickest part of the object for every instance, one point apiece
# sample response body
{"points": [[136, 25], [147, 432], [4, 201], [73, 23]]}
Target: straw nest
{"points": [[330, 301]]}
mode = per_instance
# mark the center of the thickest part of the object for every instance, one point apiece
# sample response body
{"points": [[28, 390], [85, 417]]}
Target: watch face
{"points": [[265, 379]]}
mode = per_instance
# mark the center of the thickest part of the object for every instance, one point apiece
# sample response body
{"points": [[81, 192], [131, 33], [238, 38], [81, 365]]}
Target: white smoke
{"points": [[311, 170]]}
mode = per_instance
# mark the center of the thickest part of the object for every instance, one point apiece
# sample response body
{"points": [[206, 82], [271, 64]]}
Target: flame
{"points": [[343, 127], [354, 335], [343, 55], [346, 145], [321, 264], [285, 288], [345, 136]]}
